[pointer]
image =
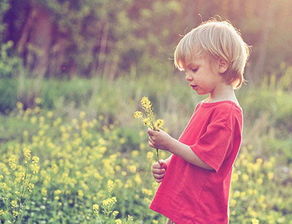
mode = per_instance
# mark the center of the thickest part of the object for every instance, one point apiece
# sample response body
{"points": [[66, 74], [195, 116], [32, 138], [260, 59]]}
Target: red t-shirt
{"points": [[189, 194]]}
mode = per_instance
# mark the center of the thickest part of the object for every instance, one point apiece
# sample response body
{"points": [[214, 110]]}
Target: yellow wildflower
{"points": [[232, 202], [44, 191], [2, 212], [270, 175], [101, 141], [80, 193], [255, 221], [50, 114], [147, 191], [27, 153], [135, 153], [19, 106], [147, 122], [110, 185], [15, 213], [33, 120], [234, 176], [95, 208], [19, 176], [38, 100], [138, 114], [122, 140], [132, 168], [57, 192], [259, 181], [245, 177], [145, 102], [118, 221], [149, 155], [137, 179], [236, 194], [109, 202], [25, 134], [35, 159], [14, 203], [30, 187], [159, 124], [82, 114], [42, 119], [115, 213], [34, 168], [12, 162]]}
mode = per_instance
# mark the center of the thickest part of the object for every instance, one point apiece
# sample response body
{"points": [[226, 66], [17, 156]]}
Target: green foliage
{"points": [[101, 39], [94, 38], [4, 6], [97, 37], [8, 95], [9, 64]]}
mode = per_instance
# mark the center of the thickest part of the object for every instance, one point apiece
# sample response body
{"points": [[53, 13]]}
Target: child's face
{"points": [[203, 75]]}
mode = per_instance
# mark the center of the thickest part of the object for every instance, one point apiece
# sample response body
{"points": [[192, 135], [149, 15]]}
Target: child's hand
{"points": [[159, 139], [158, 170]]}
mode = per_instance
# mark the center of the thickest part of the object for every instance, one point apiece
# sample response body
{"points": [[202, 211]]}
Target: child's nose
{"points": [[188, 77]]}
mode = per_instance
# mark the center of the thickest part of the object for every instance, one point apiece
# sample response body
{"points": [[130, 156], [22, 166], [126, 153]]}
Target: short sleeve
{"points": [[213, 145]]}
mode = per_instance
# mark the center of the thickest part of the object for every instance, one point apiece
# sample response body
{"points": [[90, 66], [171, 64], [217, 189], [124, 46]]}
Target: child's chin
{"points": [[201, 93]]}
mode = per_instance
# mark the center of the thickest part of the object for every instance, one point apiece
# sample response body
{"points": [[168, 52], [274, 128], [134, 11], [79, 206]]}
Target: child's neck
{"points": [[222, 93]]}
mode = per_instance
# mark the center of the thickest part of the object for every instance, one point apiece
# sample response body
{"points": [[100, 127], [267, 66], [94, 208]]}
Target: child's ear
{"points": [[222, 65]]}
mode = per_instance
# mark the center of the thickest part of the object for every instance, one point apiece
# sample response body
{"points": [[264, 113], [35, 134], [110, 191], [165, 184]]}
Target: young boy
{"points": [[195, 180]]}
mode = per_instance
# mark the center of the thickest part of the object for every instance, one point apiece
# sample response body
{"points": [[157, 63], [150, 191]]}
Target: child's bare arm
{"points": [[161, 140]]}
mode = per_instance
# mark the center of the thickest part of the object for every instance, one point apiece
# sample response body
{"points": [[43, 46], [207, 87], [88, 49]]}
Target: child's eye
{"points": [[195, 69]]}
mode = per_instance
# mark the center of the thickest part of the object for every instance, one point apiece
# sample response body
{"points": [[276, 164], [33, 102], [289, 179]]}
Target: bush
{"points": [[8, 94]]}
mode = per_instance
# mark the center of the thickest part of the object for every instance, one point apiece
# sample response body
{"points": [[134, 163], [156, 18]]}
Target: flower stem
{"points": [[157, 156]]}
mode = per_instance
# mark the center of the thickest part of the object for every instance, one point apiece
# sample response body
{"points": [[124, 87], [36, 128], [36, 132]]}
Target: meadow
{"points": [[76, 154], [72, 73]]}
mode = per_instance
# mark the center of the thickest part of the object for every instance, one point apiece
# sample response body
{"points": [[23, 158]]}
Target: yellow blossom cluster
{"points": [[148, 117]]}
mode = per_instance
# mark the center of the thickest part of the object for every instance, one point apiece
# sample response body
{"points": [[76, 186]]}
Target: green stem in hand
{"points": [[157, 156], [155, 129]]}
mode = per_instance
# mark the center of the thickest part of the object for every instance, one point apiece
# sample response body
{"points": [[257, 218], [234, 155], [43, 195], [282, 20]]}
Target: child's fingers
{"points": [[157, 167], [151, 144], [158, 176], [160, 164], [158, 170], [159, 180], [150, 132]]}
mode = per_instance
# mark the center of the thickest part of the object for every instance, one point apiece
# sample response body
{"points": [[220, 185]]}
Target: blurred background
{"points": [[73, 72]]}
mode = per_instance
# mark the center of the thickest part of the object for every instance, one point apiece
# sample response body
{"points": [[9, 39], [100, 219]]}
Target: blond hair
{"points": [[218, 39]]}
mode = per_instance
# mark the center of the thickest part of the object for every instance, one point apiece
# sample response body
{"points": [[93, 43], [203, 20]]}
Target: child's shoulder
{"points": [[221, 105], [224, 108]]}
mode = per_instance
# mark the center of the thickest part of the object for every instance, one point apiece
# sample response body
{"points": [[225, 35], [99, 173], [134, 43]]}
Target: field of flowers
{"points": [[79, 168]]}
